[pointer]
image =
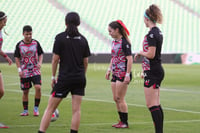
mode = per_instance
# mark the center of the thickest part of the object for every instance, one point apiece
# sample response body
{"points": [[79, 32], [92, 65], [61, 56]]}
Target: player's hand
{"points": [[107, 75], [137, 56], [9, 60], [39, 65], [142, 75], [127, 79], [21, 74], [53, 82]]}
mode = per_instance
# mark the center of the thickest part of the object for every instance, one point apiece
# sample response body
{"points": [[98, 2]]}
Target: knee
{"points": [[119, 100], [115, 99], [25, 92], [76, 111], [38, 89]]}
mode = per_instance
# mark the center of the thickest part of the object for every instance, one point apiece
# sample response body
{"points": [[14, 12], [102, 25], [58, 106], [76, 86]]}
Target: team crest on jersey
{"points": [[147, 82], [127, 46], [151, 35]]}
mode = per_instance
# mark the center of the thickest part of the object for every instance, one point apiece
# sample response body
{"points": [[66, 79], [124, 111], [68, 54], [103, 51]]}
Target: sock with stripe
{"points": [[157, 117]]}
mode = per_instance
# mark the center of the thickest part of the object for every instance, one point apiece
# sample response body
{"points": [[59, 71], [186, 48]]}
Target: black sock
{"points": [[25, 105], [73, 131], [120, 116], [157, 117], [37, 102], [161, 112], [40, 131], [124, 118]]}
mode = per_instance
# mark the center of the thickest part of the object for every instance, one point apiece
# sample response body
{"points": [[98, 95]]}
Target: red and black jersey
{"points": [[153, 38], [120, 49], [28, 54]]}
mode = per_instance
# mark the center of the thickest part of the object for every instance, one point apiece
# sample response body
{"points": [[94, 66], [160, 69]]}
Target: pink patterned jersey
{"points": [[120, 49], [28, 54]]}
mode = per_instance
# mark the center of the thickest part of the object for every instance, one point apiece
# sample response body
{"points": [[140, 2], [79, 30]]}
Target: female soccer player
{"points": [[152, 69], [120, 66], [71, 52], [3, 20], [28, 57]]}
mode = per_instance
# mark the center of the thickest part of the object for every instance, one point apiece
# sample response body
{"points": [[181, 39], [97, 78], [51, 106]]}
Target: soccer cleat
{"points": [[121, 125], [3, 126], [114, 125], [35, 111], [24, 113]]}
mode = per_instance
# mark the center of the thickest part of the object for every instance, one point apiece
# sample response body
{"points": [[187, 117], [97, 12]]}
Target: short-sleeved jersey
{"points": [[120, 49], [28, 55], [72, 51], [153, 38], [1, 40]]}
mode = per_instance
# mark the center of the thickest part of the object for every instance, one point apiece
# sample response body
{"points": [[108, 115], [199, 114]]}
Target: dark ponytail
{"points": [[2, 15], [72, 20]]}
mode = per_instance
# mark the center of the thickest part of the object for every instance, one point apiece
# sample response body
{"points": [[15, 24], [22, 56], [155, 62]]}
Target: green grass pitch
{"points": [[180, 98]]}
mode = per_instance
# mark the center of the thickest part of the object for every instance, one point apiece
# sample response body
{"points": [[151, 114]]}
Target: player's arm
{"points": [[150, 54], [109, 70], [17, 61], [55, 61], [6, 57], [129, 63], [40, 59], [85, 62], [128, 70]]}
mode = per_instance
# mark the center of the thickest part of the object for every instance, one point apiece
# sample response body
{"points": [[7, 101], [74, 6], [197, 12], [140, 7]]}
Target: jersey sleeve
{"points": [[87, 50], [126, 47], [39, 49], [151, 38], [56, 46], [17, 51]]}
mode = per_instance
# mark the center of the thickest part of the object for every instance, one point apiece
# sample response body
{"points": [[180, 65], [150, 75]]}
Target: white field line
{"points": [[107, 101], [102, 124], [162, 89], [180, 91]]}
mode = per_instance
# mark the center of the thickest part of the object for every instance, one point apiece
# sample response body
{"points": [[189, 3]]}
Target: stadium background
{"points": [[180, 88], [180, 27]]}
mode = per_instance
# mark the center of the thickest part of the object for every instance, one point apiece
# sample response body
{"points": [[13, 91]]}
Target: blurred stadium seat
{"points": [[180, 27]]}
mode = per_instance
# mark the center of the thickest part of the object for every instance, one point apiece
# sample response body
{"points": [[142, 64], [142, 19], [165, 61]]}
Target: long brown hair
{"points": [[2, 17], [122, 29], [154, 13]]}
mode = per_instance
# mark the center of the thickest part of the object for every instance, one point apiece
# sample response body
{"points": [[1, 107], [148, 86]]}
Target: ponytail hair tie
{"points": [[124, 26]]}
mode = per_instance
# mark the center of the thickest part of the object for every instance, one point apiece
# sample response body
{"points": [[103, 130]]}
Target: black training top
{"points": [[153, 38], [72, 51]]}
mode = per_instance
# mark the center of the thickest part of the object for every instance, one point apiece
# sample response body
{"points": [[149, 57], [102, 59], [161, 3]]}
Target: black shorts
{"points": [[153, 78], [26, 82], [62, 88], [121, 79]]}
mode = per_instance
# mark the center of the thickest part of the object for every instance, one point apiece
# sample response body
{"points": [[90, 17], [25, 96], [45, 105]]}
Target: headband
{"points": [[124, 26], [1, 18], [146, 16]]}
